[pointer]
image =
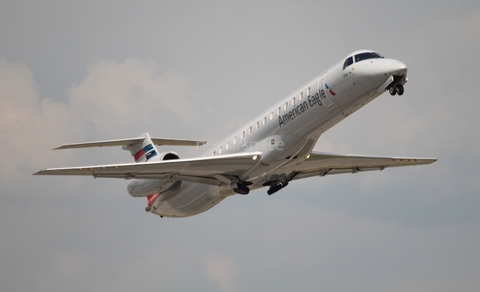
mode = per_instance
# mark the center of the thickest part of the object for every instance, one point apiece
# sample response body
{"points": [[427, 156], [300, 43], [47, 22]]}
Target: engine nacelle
{"points": [[147, 187], [168, 156]]}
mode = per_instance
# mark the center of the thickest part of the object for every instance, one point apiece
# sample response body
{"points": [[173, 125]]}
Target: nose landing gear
{"points": [[396, 89]]}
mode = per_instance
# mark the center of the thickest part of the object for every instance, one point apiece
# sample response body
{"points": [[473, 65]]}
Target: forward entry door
{"points": [[324, 93]]}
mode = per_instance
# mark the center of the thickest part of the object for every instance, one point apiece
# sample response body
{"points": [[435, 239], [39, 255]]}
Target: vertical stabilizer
{"points": [[144, 150]]}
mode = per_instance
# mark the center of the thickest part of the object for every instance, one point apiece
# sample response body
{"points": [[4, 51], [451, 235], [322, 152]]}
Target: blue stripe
{"points": [[150, 154], [148, 148]]}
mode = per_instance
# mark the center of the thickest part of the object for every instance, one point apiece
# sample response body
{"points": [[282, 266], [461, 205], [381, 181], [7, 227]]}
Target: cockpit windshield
{"points": [[366, 56]]}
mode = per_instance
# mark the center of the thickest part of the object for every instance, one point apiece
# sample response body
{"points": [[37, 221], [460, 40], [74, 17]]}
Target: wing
{"points": [[322, 164], [209, 170]]}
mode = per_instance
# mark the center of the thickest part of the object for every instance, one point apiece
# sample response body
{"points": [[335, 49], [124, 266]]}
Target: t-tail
{"points": [[142, 148]]}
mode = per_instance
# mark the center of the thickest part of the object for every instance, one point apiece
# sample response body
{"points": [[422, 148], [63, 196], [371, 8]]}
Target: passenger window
{"points": [[301, 95], [243, 135], [250, 130], [226, 147], [264, 120], [308, 91], [235, 140], [293, 101], [271, 116], [348, 62], [286, 105], [220, 150], [258, 124], [278, 111]]}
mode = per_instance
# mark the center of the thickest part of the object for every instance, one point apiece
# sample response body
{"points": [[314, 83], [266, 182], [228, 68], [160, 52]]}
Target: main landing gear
{"points": [[279, 184], [396, 89], [241, 187], [275, 187]]}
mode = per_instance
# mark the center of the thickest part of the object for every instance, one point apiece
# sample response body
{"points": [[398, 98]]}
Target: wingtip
{"points": [[39, 172], [427, 160]]}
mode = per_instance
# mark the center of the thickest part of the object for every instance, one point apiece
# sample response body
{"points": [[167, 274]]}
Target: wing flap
{"points": [[322, 164], [198, 169]]}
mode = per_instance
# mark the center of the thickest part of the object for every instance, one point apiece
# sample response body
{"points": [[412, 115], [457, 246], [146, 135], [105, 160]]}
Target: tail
{"points": [[142, 150]]}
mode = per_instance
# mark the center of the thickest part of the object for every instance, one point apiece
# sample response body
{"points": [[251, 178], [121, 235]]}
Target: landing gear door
{"points": [[322, 90]]}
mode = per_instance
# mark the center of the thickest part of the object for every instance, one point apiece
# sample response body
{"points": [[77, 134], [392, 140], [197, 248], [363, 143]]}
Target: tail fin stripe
{"points": [[144, 150], [151, 154], [138, 154]]}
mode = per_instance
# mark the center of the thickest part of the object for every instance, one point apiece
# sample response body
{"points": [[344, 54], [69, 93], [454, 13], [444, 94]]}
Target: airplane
{"points": [[271, 150]]}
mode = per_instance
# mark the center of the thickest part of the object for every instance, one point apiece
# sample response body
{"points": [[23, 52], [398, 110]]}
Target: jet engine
{"points": [[147, 187]]}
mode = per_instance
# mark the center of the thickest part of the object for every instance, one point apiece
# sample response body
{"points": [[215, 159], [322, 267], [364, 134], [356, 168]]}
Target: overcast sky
{"points": [[73, 71]]}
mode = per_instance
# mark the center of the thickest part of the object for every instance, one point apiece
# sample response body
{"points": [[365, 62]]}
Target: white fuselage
{"points": [[287, 132]]}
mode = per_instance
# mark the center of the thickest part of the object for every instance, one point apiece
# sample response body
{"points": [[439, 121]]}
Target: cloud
{"points": [[114, 99], [27, 122], [223, 270], [115, 95]]}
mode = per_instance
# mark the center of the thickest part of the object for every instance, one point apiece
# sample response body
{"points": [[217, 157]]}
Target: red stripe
{"points": [[151, 199], [332, 93], [139, 154]]}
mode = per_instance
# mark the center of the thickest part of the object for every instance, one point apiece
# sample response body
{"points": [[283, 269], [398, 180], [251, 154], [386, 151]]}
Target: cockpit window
{"points": [[366, 56], [348, 62]]}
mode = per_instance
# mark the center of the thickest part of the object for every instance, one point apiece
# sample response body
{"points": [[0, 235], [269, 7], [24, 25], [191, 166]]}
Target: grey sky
{"points": [[81, 70]]}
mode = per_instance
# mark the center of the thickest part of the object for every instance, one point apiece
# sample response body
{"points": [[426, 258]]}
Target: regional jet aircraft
{"points": [[269, 151]]}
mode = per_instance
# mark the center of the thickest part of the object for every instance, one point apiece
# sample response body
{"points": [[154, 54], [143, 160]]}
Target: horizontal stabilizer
{"points": [[131, 141]]}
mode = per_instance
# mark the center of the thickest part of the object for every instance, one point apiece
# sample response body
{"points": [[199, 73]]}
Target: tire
{"points": [[400, 89], [392, 90]]}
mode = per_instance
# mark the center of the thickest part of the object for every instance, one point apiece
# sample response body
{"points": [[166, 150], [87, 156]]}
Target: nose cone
{"points": [[379, 69], [398, 68]]}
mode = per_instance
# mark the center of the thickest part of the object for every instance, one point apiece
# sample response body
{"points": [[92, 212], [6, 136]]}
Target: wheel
{"points": [[400, 89], [241, 189], [393, 90]]}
